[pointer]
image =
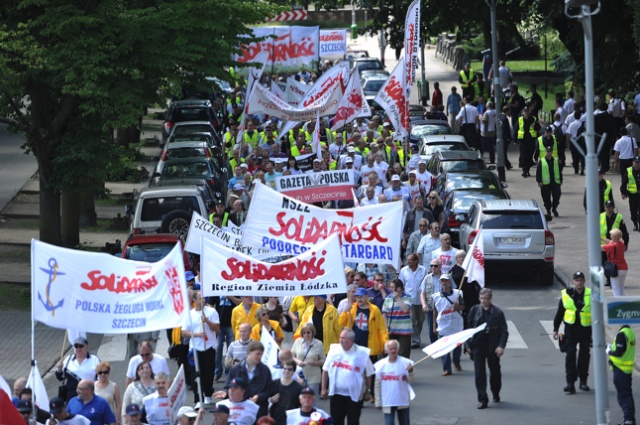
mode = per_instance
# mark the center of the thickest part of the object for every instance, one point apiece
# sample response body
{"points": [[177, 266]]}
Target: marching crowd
{"points": [[355, 348]]}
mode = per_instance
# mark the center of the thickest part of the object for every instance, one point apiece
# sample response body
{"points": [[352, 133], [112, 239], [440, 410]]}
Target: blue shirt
{"points": [[97, 410], [453, 102]]}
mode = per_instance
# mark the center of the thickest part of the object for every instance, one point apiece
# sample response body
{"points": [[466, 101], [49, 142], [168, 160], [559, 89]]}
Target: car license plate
{"points": [[511, 240]]}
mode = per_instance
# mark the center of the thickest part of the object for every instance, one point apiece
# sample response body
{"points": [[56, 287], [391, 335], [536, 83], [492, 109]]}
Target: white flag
{"points": [[474, 261], [177, 394], [255, 75], [40, 397], [275, 88], [392, 99], [5, 387], [270, 355], [315, 139], [352, 105], [411, 43], [448, 343]]}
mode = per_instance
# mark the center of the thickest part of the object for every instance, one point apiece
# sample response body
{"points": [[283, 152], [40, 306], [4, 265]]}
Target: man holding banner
{"points": [[488, 346]]}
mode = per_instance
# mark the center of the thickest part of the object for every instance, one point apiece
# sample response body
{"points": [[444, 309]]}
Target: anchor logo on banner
{"points": [[53, 273]]}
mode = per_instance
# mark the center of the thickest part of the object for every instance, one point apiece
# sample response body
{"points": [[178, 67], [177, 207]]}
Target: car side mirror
{"points": [[461, 218], [491, 167], [504, 185]]}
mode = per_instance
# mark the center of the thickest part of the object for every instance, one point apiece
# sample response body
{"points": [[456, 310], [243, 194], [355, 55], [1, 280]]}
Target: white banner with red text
{"points": [[281, 223], [411, 44], [392, 99], [177, 394], [295, 91], [291, 50], [317, 271], [352, 105], [335, 185], [104, 293], [333, 43], [200, 228]]}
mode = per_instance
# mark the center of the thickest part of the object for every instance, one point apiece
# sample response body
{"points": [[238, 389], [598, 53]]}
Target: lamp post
{"points": [[497, 90], [584, 13]]}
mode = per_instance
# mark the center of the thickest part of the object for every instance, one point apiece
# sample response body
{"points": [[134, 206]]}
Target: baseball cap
{"points": [[56, 405], [387, 124], [24, 406], [80, 340], [244, 165], [549, 129], [238, 186], [422, 161], [601, 171], [636, 159], [317, 160], [549, 148], [219, 202], [236, 382], [395, 178], [133, 409], [189, 276], [187, 411], [220, 408], [307, 390], [445, 276], [324, 297], [351, 149], [609, 203], [414, 172], [414, 146], [360, 292], [578, 275], [348, 160]]}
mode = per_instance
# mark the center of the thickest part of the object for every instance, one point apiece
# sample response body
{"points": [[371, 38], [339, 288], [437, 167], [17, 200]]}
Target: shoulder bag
{"points": [[610, 268]]}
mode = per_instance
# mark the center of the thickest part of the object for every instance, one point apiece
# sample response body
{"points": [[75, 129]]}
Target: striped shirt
{"points": [[398, 321]]}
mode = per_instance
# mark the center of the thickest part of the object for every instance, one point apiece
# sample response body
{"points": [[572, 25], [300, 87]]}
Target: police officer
{"points": [[549, 178], [629, 189], [574, 309], [605, 192], [526, 129], [549, 139], [468, 81], [622, 356]]}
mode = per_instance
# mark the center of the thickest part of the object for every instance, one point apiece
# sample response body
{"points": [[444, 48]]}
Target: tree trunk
{"points": [[87, 206], [49, 204], [127, 136], [70, 222]]}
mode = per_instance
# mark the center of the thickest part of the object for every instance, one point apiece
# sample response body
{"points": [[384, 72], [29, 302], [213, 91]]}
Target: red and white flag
{"points": [[411, 44], [315, 139], [392, 99], [446, 344], [352, 105], [474, 261], [255, 74]]}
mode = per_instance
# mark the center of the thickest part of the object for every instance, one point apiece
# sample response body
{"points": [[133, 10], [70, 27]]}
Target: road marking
{"points": [[515, 339], [548, 330], [113, 348]]}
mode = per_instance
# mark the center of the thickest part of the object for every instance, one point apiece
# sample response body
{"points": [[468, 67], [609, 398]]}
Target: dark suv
{"points": [[188, 110], [456, 161]]}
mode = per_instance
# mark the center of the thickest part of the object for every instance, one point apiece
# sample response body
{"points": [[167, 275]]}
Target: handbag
{"points": [[611, 269]]}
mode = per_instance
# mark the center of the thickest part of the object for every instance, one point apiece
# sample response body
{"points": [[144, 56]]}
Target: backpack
{"points": [[558, 133]]}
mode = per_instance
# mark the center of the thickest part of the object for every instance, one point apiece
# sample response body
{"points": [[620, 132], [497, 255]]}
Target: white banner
{"points": [[177, 394], [333, 42], [270, 353], [474, 261], [317, 271], [316, 187], [105, 293], [323, 97], [35, 382], [292, 49], [255, 74], [281, 223], [275, 88], [411, 44], [353, 104], [295, 91], [201, 228], [392, 99], [448, 343]]}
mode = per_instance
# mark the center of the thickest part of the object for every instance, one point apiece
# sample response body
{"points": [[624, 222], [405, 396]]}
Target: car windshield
{"points": [[193, 169], [154, 209], [191, 114], [362, 65], [437, 147], [463, 203], [373, 85], [192, 128], [448, 166], [150, 252], [471, 182], [418, 131], [181, 153], [512, 220]]}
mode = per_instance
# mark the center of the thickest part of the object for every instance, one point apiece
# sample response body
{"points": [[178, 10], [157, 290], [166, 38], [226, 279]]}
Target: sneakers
{"points": [[627, 422], [207, 400]]}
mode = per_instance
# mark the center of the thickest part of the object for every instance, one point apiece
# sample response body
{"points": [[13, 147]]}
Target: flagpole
{"points": [[33, 326]]}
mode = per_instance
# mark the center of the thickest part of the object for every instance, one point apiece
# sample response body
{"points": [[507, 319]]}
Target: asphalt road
{"points": [[15, 167]]}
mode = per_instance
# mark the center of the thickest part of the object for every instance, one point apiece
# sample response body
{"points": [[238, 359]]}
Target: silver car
{"points": [[515, 236]]}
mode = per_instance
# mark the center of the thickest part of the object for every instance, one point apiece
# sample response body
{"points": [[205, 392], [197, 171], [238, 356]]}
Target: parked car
{"points": [[183, 150], [416, 112], [187, 128], [188, 110], [372, 85], [168, 209], [445, 161], [515, 237], [361, 64], [152, 248], [353, 54], [367, 73], [457, 205], [428, 145], [179, 170], [467, 180], [420, 128]]}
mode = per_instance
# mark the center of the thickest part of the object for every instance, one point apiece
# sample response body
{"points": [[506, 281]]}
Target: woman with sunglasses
{"points": [[308, 353], [143, 385], [106, 388], [434, 205], [75, 367], [272, 326], [286, 393]]}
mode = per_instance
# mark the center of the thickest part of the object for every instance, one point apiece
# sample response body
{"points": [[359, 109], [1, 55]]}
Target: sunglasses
{"points": [[146, 354], [104, 372], [434, 265], [379, 280], [264, 314], [431, 197], [79, 346], [290, 369]]}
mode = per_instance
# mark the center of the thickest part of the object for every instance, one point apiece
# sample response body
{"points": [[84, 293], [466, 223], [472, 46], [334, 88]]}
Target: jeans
{"points": [[446, 359], [226, 333], [617, 283], [417, 320], [403, 416]]}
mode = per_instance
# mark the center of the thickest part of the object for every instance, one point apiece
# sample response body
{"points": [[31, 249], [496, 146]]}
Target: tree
{"points": [[72, 70]]}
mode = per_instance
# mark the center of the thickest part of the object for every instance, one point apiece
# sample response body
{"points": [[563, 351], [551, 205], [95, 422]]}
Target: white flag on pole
{"points": [[352, 105], [448, 343], [315, 139], [40, 397], [270, 355], [474, 261]]}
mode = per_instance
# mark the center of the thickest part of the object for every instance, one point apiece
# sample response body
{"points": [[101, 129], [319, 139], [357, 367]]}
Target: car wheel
{"points": [[546, 277], [177, 222]]}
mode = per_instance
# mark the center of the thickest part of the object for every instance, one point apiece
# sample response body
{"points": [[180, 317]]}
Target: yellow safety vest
{"points": [[296, 152], [607, 191], [541, 147], [466, 82], [225, 217], [546, 178], [603, 224], [570, 308], [627, 360], [252, 140], [532, 129], [631, 185]]}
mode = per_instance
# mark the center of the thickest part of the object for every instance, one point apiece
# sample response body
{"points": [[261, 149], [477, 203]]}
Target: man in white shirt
{"points": [[356, 160], [306, 413], [412, 276], [346, 378], [241, 411], [397, 189], [382, 167], [337, 147], [467, 120], [158, 363], [393, 390], [202, 328], [368, 168], [449, 304], [428, 244], [370, 197], [625, 149], [446, 253], [424, 177]]}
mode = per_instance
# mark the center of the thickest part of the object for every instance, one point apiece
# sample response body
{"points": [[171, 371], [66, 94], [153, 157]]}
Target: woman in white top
{"points": [[308, 353], [77, 366], [143, 385], [106, 388]]}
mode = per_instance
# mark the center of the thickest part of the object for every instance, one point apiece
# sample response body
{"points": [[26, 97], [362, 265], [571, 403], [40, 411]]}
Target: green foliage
{"points": [[123, 165]]}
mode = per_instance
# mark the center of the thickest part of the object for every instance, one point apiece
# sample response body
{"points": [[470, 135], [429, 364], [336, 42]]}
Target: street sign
{"points": [[290, 15], [622, 310]]}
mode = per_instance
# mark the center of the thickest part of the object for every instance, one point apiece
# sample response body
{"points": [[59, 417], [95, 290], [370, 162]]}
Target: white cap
{"points": [[422, 161], [244, 165], [395, 178], [348, 160], [187, 411], [238, 186], [317, 160], [414, 172], [351, 149]]}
